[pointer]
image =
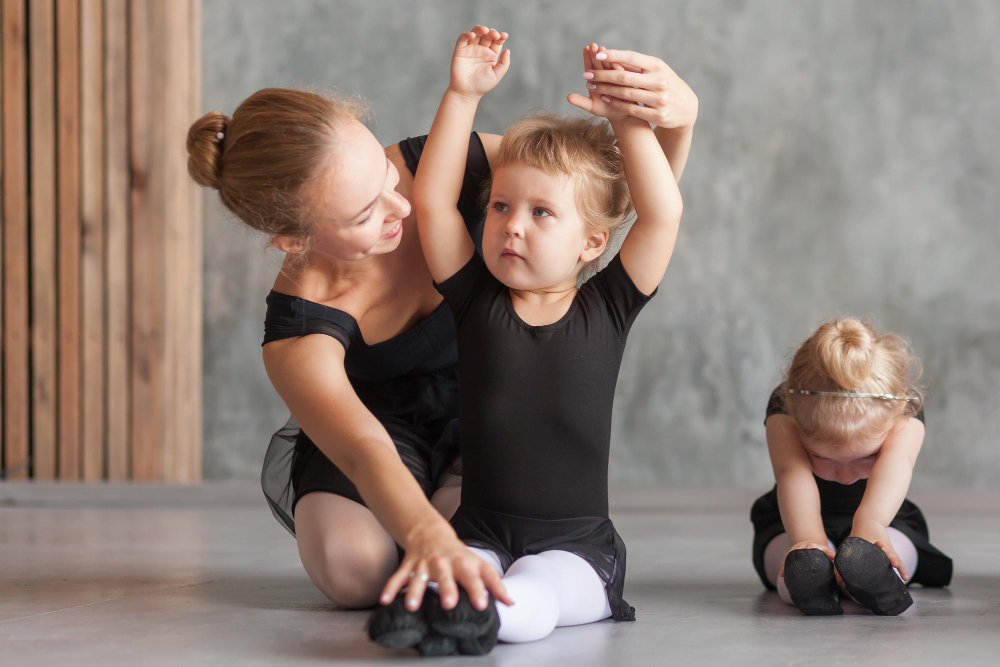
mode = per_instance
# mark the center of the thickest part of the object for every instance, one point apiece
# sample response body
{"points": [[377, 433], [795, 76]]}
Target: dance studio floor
{"points": [[160, 575]]}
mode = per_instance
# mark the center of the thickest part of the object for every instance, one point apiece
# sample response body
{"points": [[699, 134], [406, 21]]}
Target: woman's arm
{"points": [[798, 495], [888, 483], [309, 375], [477, 65], [667, 101]]}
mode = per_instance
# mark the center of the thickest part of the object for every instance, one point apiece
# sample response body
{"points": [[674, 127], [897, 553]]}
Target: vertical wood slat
{"points": [[41, 22], [92, 236], [15, 243], [191, 357], [68, 170], [116, 124], [146, 425], [2, 226]]}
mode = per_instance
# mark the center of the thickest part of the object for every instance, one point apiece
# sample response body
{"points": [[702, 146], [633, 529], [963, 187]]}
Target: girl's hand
{"points": [[879, 536], [626, 78], [479, 61], [825, 548], [436, 554]]}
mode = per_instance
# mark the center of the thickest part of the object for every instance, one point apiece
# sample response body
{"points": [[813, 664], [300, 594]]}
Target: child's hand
{"points": [[478, 63], [825, 548], [879, 536], [620, 80]]}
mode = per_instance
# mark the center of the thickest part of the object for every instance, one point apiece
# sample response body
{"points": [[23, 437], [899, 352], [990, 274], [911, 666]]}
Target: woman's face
{"points": [[533, 236], [356, 211]]}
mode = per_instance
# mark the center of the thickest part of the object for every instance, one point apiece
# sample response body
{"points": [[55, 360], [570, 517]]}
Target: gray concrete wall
{"points": [[845, 161]]}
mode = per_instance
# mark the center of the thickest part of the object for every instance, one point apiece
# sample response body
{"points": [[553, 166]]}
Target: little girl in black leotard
{"points": [[538, 356], [844, 431]]}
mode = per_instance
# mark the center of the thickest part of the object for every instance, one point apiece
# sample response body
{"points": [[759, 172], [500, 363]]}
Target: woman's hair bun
{"points": [[205, 148]]}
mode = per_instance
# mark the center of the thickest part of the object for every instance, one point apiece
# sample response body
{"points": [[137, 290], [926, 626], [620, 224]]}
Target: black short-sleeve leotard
{"points": [[535, 421], [409, 382], [838, 503]]}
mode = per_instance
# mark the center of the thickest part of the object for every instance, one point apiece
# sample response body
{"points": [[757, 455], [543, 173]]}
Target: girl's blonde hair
{"points": [[274, 143], [584, 149], [847, 354]]}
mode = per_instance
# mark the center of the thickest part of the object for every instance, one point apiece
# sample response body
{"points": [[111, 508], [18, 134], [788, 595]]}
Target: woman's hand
{"points": [[436, 554], [808, 544], [479, 61], [620, 80]]}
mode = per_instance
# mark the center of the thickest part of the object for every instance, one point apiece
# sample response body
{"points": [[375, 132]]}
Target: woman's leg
{"points": [[345, 551], [551, 589], [448, 495]]}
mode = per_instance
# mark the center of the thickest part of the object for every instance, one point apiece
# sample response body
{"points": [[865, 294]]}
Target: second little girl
{"points": [[844, 430]]}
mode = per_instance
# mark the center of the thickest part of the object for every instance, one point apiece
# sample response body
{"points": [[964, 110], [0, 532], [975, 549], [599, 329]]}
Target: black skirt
{"points": [[419, 413], [838, 503], [592, 538]]}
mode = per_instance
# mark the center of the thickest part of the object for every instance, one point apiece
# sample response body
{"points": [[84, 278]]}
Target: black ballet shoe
{"points": [[394, 626], [475, 630], [434, 644], [485, 642], [870, 579], [811, 583]]}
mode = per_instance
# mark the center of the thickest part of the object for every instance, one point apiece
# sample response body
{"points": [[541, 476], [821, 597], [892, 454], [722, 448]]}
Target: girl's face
{"points": [[844, 462], [533, 237], [356, 211]]}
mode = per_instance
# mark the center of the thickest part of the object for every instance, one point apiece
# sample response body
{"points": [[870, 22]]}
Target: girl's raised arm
{"points": [[477, 65]]}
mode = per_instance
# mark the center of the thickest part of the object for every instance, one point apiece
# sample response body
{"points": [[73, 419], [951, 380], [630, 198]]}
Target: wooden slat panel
{"points": [[146, 95], [15, 244], [1, 248], [191, 383], [68, 106], [43, 238], [92, 259], [117, 264]]}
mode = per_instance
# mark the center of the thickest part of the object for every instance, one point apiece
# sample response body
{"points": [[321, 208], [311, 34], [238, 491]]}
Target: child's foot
{"points": [[475, 631], [870, 579], [395, 626], [811, 583]]}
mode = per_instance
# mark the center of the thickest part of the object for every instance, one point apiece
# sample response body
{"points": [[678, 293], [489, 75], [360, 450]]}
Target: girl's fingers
{"points": [[639, 60], [503, 62], [498, 44], [631, 79]]}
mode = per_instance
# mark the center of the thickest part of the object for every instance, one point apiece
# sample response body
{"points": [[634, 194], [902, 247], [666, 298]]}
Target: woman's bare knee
{"points": [[345, 551]]}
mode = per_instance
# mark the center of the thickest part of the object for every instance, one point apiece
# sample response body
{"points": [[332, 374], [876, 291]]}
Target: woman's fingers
{"points": [[495, 584], [638, 60], [648, 98], [577, 100], [445, 579], [418, 584], [469, 577], [396, 582], [631, 108], [623, 77]]}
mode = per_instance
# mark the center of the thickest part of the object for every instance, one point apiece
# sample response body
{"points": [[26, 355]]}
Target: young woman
{"points": [[358, 342]]}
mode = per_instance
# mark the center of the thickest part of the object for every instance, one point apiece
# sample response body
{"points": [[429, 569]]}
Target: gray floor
{"points": [[155, 575]]}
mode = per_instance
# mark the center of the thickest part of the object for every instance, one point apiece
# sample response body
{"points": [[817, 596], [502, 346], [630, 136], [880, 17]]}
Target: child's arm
{"points": [[888, 483], [646, 250], [477, 65], [798, 495]]}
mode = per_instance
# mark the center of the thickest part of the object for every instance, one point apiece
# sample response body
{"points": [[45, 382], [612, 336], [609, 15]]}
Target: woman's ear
{"points": [[288, 244], [596, 243]]}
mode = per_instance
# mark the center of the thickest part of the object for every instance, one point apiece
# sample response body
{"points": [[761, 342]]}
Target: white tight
{"points": [[776, 549], [551, 589]]}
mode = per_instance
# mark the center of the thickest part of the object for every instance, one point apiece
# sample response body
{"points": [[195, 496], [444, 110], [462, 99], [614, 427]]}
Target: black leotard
{"points": [[409, 382], [838, 503], [536, 419]]}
